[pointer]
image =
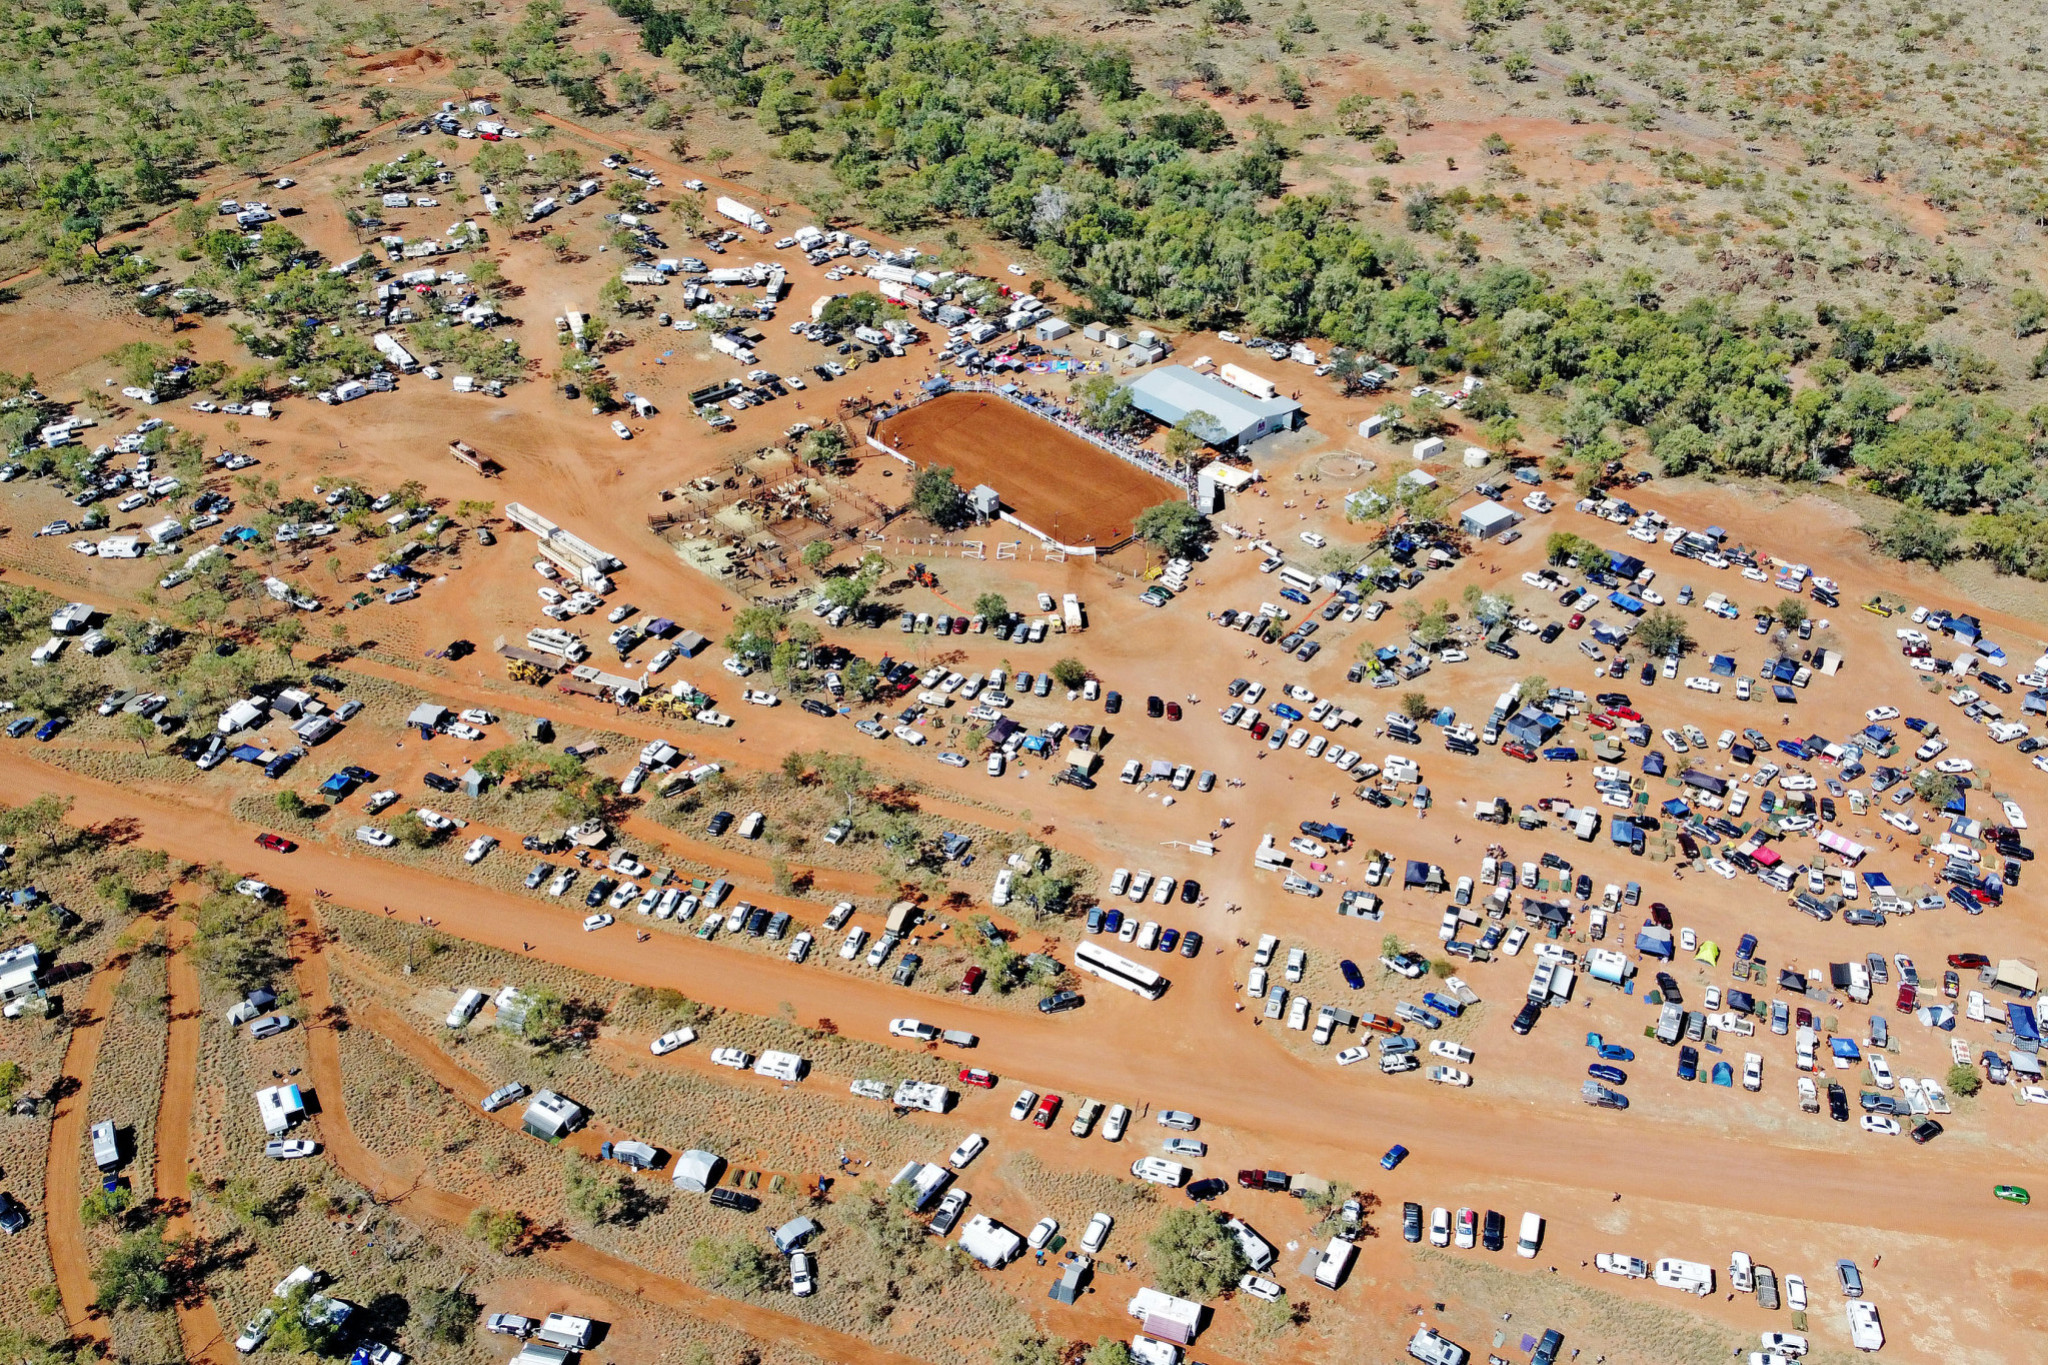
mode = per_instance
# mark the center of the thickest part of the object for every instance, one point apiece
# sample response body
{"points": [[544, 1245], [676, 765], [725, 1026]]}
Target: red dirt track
{"points": [[1049, 477]]}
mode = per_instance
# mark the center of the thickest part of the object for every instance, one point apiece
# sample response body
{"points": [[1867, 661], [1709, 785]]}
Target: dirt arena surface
{"points": [[1050, 478]]}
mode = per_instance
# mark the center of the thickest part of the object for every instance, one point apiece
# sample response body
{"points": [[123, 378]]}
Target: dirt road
{"points": [[63, 1192], [420, 1198], [198, 1324]]}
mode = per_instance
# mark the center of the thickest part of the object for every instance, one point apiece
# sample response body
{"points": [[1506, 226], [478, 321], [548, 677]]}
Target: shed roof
{"points": [[1485, 518], [1173, 391]]}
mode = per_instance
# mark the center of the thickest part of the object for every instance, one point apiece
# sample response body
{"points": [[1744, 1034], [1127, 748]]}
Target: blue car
{"points": [[1688, 1064], [1167, 939], [1454, 1008], [1352, 976], [1396, 1154], [1563, 753], [1615, 1052], [1113, 921], [1286, 711], [1291, 595], [50, 729], [1613, 1075]]}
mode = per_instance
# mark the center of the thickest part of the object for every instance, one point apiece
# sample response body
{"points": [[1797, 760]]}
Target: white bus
{"points": [[1119, 971]]}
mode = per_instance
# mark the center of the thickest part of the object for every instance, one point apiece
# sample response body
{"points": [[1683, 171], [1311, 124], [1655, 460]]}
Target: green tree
{"points": [[502, 1230], [135, 1273], [1414, 705], [1186, 436], [1532, 688], [1069, 673], [1916, 533], [816, 553], [991, 605], [1106, 405], [13, 1076], [1936, 789], [1791, 611], [1963, 1081], [1193, 1255], [291, 805], [1174, 528], [1663, 632], [1108, 1351], [937, 498], [755, 633]]}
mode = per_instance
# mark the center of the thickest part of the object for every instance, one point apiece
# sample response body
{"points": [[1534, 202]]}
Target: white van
{"points": [[1531, 1237], [466, 1006]]}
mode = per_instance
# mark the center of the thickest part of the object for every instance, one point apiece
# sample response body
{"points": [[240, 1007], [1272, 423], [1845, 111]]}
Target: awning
{"points": [[2017, 974]]}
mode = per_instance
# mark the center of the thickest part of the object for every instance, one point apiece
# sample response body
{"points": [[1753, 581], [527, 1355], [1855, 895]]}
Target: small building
{"points": [[1372, 426], [1166, 1317], [281, 1106], [1414, 481], [1052, 329], [551, 1117], [984, 502], [1429, 449], [698, 1170], [1236, 418], [1486, 520]]}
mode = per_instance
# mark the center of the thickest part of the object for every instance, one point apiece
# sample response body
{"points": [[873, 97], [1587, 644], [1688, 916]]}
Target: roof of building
{"points": [[1488, 516], [1171, 392]]}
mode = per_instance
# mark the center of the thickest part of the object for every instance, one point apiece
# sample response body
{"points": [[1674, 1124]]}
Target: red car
{"points": [[974, 1075], [1600, 722], [1578, 618], [1260, 730], [1624, 713], [1968, 960], [276, 843], [1042, 1116], [1173, 710], [1909, 995], [1514, 748], [971, 981]]}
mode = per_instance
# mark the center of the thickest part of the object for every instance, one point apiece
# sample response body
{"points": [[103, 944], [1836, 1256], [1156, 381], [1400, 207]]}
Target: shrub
{"points": [[1194, 1256], [1963, 1080], [731, 1263]]}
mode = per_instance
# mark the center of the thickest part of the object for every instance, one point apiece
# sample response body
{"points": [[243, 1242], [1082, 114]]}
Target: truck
{"points": [[1070, 608], [559, 643], [734, 345], [741, 214]]}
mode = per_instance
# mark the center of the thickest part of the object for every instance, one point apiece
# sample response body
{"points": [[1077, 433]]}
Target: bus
{"points": [[1119, 971]]}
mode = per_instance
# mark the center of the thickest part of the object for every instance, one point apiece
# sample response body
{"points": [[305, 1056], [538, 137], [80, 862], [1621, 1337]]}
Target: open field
{"points": [[1051, 478]]}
